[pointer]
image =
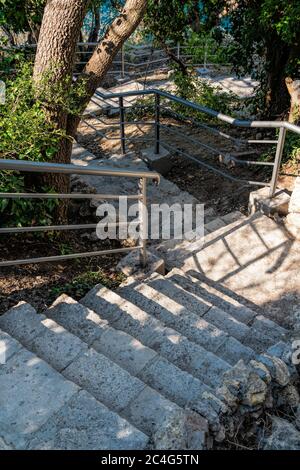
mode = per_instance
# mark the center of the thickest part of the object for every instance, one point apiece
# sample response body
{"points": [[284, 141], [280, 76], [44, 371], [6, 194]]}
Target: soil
{"points": [[214, 191], [40, 284]]}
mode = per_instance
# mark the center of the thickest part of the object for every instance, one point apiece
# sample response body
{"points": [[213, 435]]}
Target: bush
{"points": [[192, 88], [25, 135]]}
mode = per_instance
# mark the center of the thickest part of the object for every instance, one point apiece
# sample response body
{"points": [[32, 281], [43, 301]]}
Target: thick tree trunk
{"points": [[277, 97], [293, 87], [58, 38]]}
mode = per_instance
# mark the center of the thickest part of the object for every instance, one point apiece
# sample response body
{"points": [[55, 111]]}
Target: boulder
{"points": [[284, 436]]}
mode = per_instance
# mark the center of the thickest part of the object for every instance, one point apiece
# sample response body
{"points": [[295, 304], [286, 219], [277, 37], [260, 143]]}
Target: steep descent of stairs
{"points": [[41, 409]]}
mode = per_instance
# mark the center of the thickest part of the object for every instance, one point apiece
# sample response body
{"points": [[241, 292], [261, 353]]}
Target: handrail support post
{"points": [[157, 124], [143, 215], [122, 125], [277, 162]]}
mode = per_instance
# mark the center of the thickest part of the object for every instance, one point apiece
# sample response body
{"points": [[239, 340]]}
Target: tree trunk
{"points": [[293, 87], [117, 33], [277, 97], [195, 17], [93, 36], [58, 38]]}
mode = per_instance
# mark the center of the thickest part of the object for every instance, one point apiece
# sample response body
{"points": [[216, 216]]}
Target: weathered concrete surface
{"points": [[131, 265], [170, 344], [77, 319], [85, 424], [195, 328], [161, 162], [182, 431], [8, 347], [211, 296], [293, 218], [104, 379], [254, 261], [260, 201], [31, 391]]}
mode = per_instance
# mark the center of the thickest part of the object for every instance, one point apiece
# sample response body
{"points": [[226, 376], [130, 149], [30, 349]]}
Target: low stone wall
{"points": [[266, 384], [293, 218]]}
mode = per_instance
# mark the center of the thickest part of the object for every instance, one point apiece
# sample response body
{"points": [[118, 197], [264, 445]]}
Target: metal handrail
{"points": [[70, 169], [283, 126]]}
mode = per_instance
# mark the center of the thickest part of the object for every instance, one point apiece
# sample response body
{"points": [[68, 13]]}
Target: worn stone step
{"points": [[40, 409], [175, 252], [192, 282], [169, 343], [261, 332], [141, 361], [259, 336], [195, 328], [257, 262], [104, 379]]}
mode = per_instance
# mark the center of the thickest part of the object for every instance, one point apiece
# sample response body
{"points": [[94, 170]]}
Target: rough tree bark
{"points": [[293, 87], [61, 25], [58, 38]]}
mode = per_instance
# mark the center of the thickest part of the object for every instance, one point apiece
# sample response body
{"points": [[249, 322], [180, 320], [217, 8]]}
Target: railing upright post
{"points": [[157, 124], [277, 162], [143, 215], [122, 125], [178, 50]]}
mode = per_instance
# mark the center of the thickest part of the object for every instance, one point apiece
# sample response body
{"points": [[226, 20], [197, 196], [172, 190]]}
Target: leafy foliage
{"points": [[26, 135], [199, 91], [83, 283]]}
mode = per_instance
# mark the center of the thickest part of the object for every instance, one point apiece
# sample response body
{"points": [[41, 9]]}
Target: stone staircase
{"points": [[165, 362]]}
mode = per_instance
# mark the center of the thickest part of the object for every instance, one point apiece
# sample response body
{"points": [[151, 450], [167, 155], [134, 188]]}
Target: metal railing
{"points": [[131, 61], [70, 169], [163, 102]]}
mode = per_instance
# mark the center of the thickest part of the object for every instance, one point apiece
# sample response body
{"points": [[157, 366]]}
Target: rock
{"points": [[297, 420], [277, 368], [288, 396], [284, 436], [245, 384], [261, 370], [182, 430]]}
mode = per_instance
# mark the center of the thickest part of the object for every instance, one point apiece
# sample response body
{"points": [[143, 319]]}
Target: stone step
{"points": [[175, 252], [150, 331], [263, 333], [43, 410], [211, 295], [102, 378], [256, 261], [174, 315], [139, 360], [259, 336]]}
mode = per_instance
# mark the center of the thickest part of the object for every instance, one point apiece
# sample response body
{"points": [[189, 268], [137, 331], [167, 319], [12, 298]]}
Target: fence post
{"points": [[122, 125], [277, 162], [143, 215], [157, 124]]}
